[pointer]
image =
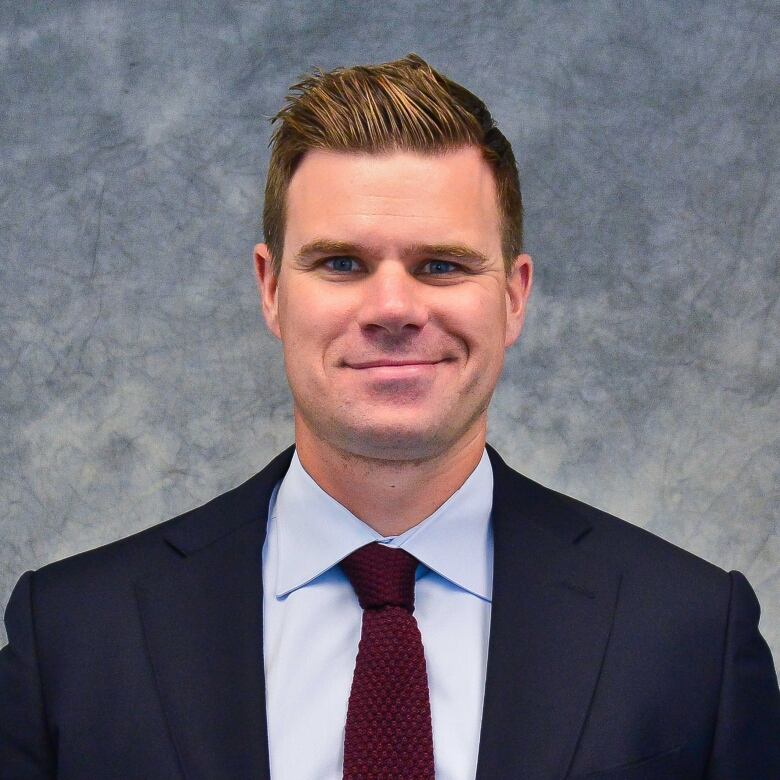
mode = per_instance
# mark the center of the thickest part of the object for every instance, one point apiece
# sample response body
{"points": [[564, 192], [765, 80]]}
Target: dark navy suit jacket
{"points": [[613, 655]]}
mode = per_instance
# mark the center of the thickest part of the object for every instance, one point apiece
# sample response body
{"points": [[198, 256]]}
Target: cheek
{"points": [[481, 319], [309, 320]]}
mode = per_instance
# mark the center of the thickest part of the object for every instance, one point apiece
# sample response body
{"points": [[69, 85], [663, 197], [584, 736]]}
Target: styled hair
{"points": [[404, 105]]}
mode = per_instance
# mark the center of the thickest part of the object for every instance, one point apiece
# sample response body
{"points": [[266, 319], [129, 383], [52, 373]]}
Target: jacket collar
{"points": [[202, 620], [553, 607]]}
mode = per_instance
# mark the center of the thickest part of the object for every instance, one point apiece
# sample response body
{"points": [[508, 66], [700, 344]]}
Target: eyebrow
{"points": [[323, 246]]}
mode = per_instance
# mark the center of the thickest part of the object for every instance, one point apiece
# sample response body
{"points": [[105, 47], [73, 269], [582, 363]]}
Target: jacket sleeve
{"points": [[747, 732], [25, 748]]}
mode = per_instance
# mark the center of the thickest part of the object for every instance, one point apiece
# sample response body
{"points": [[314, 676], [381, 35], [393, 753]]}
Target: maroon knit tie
{"points": [[388, 733]]}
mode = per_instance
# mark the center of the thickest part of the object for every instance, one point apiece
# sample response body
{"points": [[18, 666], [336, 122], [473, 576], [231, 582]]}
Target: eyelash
{"points": [[454, 266]]}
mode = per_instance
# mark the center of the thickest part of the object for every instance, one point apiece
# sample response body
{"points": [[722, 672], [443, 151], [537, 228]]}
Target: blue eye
{"points": [[439, 267], [341, 264]]}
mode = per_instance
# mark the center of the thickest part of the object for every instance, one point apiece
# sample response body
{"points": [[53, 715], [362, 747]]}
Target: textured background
{"points": [[138, 380]]}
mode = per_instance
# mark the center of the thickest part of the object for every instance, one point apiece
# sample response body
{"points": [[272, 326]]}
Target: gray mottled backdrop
{"points": [[138, 380]]}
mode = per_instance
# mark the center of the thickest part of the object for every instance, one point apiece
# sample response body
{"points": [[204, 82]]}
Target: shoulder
{"points": [[666, 599], [644, 560], [631, 546], [115, 566]]}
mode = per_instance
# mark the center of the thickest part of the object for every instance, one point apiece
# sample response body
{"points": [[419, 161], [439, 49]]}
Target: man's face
{"points": [[393, 345]]}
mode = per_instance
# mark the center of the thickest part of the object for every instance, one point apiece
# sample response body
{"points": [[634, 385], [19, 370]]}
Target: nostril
{"points": [[393, 314]]}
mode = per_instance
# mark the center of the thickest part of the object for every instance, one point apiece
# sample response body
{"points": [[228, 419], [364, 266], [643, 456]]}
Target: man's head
{"points": [[401, 105], [387, 271]]}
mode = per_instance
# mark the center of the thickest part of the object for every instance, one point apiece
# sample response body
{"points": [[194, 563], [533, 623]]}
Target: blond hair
{"points": [[404, 105]]}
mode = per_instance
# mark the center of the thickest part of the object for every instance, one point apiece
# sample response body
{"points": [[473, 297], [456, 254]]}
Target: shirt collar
{"points": [[315, 532]]}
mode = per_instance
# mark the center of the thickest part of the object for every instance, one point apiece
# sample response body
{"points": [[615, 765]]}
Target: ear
{"points": [[518, 288], [268, 287]]}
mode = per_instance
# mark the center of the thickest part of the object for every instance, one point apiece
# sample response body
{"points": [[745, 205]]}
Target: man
{"points": [[504, 630]]}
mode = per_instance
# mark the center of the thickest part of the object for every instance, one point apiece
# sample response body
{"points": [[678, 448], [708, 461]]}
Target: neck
{"points": [[391, 496]]}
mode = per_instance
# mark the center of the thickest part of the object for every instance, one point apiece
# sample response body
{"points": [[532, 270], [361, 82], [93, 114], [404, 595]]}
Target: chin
{"points": [[391, 442]]}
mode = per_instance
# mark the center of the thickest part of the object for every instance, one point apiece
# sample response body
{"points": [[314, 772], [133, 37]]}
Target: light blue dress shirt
{"points": [[312, 622]]}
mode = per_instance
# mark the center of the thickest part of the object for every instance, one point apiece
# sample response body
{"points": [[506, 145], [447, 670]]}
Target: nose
{"points": [[392, 300]]}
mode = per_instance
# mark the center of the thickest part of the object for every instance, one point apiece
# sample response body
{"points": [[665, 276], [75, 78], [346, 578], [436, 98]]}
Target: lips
{"points": [[384, 362]]}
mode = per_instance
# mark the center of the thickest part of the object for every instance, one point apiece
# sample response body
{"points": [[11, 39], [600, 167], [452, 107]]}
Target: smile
{"points": [[395, 370], [393, 363]]}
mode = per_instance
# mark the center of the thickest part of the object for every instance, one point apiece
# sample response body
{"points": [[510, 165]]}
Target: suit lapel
{"points": [[551, 615], [202, 620], [552, 611]]}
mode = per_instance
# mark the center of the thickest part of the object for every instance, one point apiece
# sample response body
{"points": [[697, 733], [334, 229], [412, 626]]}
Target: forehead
{"points": [[394, 196]]}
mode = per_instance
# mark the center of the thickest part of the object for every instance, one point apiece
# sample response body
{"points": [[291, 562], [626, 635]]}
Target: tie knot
{"points": [[381, 576]]}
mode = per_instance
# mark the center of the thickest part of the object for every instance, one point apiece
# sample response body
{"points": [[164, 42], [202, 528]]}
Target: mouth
{"points": [[393, 374], [387, 363]]}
